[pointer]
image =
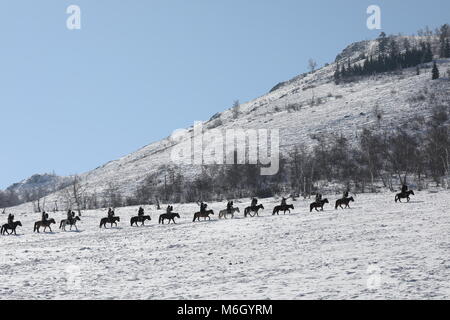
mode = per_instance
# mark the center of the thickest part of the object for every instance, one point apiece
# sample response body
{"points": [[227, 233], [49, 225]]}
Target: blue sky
{"points": [[72, 100]]}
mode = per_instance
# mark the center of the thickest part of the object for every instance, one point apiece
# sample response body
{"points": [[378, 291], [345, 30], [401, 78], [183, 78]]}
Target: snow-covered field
{"points": [[378, 249]]}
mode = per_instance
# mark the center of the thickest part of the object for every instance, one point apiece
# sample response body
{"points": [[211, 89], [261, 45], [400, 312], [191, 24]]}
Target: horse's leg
{"points": [[50, 228]]}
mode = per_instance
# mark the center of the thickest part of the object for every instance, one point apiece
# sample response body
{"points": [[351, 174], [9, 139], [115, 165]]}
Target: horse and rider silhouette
{"points": [[405, 194], [44, 222], [283, 207], [254, 208], [111, 219], [140, 218], [12, 227], [203, 213], [71, 222]]}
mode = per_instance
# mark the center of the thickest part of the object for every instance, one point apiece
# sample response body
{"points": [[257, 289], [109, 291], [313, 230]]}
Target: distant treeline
{"points": [[391, 58], [386, 157]]}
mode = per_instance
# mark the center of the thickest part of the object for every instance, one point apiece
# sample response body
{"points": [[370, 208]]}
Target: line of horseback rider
{"points": [[203, 206], [230, 205], [344, 196]]}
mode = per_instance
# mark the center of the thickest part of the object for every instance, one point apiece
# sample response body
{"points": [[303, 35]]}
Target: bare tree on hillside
{"points": [[312, 65], [236, 109], [75, 194]]}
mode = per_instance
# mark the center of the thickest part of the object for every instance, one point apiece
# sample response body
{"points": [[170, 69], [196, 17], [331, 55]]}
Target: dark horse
{"points": [[7, 227], [345, 202], [71, 222], [168, 216], [112, 221], [284, 208], [249, 210], [135, 220], [402, 195], [46, 224], [319, 204], [204, 215]]}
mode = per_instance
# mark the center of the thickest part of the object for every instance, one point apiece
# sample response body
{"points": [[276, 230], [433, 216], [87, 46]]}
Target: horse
{"points": [[344, 201], [112, 220], [249, 210], [224, 213], [71, 222], [402, 195], [204, 215], [46, 224], [283, 208], [7, 226], [319, 204], [141, 219], [168, 216]]}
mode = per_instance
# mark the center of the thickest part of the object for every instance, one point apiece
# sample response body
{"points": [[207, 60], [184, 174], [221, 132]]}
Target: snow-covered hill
{"points": [[376, 250], [38, 184], [302, 108]]}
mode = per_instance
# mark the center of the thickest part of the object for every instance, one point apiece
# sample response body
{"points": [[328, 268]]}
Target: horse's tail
{"points": [[60, 225], [195, 217], [160, 218], [337, 204], [131, 222], [311, 207], [101, 222], [2, 230], [396, 198], [35, 227], [274, 210]]}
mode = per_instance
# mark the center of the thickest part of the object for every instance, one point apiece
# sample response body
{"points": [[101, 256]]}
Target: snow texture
{"points": [[376, 250]]}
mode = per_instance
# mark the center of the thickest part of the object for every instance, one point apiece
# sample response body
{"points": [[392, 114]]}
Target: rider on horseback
{"points": [[318, 198], [11, 220], [169, 209], [44, 216], [140, 212], [254, 202], [404, 188], [70, 216], [203, 207], [345, 195], [110, 213], [283, 202], [230, 206]]}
